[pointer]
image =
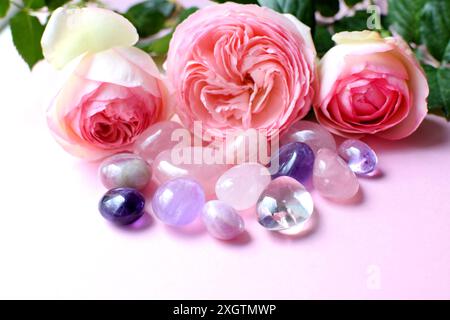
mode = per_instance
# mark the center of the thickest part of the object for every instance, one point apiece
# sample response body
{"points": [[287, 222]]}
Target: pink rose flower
{"points": [[107, 101], [371, 85], [241, 66]]}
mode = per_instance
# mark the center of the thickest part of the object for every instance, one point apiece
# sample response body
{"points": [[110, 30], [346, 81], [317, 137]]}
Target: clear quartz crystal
{"points": [[361, 158], [284, 204]]}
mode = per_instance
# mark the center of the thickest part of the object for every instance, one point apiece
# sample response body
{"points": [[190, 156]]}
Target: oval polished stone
{"points": [[157, 138], [221, 220], [166, 167], [295, 160], [311, 133], [284, 204], [332, 177], [361, 159], [241, 185], [178, 202], [122, 205], [124, 170]]}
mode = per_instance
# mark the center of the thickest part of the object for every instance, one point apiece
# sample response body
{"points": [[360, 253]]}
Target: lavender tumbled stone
{"points": [[361, 159], [178, 202], [221, 220], [295, 160], [122, 205]]}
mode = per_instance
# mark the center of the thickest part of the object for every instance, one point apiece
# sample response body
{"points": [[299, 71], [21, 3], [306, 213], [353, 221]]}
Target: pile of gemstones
{"points": [[308, 159]]}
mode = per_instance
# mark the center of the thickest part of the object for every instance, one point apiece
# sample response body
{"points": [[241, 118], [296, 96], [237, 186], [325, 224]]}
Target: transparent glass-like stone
{"points": [[284, 204], [311, 133], [361, 158]]}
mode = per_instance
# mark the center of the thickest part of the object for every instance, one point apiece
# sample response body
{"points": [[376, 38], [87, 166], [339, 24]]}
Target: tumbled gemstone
{"points": [[125, 170], [284, 204], [157, 138], [168, 166], [360, 157], [122, 205], [332, 177], [178, 202], [241, 185], [295, 160], [221, 220], [311, 133]]}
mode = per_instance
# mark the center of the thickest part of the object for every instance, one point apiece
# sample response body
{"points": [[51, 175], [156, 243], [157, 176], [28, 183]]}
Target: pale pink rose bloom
{"points": [[241, 66], [107, 101], [371, 85]]}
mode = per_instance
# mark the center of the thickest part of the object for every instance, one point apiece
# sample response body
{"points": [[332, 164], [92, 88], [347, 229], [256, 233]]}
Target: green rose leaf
{"points": [[358, 22], [54, 4], [239, 1], [34, 4], [150, 16], [27, 33], [351, 3], [435, 27], [328, 8], [404, 17], [302, 9], [160, 46], [322, 40], [439, 83], [446, 58], [4, 7]]}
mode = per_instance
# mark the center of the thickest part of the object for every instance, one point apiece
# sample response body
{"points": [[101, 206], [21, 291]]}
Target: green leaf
{"points": [[351, 3], [302, 9], [446, 58], [435, 27], [328, 8], [54, 4], [4, 7], [322, 40], [358, 22], [149, 16], [160, 46], [239, 1], [404, 17], [439, 83], [185, 14], [27, 33], [34, 4]]}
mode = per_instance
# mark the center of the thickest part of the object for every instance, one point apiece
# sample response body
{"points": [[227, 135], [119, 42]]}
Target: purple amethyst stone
{"points": [[122, 206], [295, 160]]}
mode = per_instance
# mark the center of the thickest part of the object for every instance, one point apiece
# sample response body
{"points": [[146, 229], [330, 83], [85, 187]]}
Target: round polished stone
{"points": [[361, 159], [295, 160], [221, 220], [332, 177], [178, 202], [284, 204], [241, 185], [157, 138], [167, 166], [122, 205], [311, 133], [125, 170]]}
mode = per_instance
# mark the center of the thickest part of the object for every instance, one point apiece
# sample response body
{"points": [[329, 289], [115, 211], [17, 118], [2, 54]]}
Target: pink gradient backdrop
{"points": [[394, 242]]}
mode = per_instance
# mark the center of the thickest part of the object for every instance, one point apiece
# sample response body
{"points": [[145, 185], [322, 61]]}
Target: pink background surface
{"points": [[393, 242]]}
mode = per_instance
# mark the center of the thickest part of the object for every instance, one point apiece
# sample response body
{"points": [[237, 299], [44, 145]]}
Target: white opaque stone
{"points": [[156, 139], [166, 167], [125, 170], [242, 185], [311, 133], [332, 177]]}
